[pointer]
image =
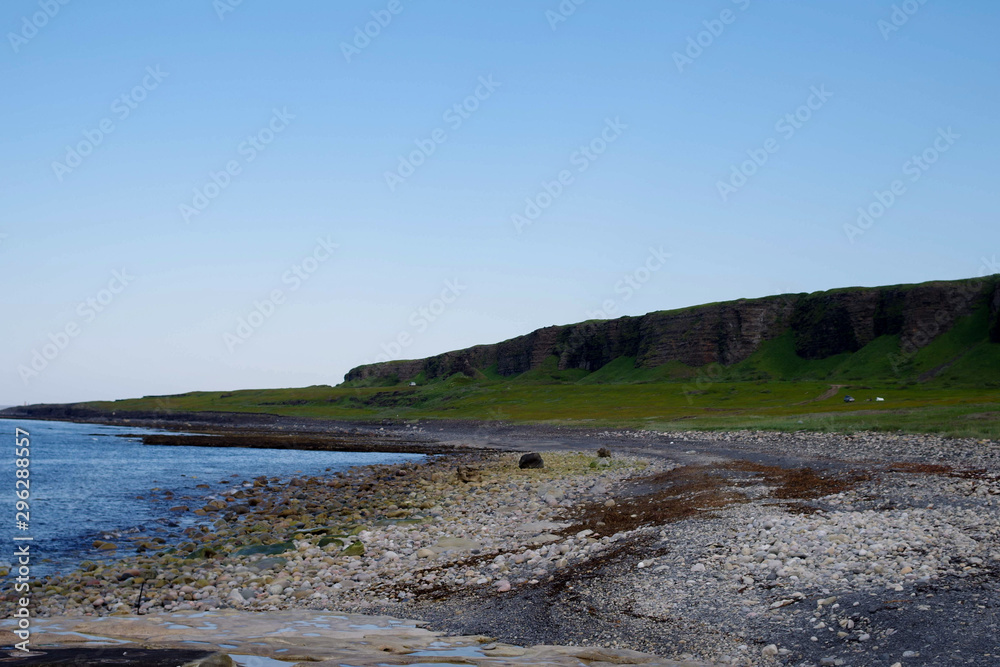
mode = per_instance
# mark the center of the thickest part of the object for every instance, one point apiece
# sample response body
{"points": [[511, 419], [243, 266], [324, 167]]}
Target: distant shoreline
{"points": [[253, 430]]}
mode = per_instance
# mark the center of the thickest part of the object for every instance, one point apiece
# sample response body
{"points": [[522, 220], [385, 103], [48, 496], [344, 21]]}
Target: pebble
{"points": [[494, 527], [468, 510]]}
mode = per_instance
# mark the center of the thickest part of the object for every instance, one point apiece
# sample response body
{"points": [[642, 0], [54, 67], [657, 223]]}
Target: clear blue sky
{"points": [[203, 85]]}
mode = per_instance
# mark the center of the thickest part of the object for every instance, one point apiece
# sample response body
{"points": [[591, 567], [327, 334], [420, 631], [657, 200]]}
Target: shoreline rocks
{"points": [[737, 577], [310, 542]]}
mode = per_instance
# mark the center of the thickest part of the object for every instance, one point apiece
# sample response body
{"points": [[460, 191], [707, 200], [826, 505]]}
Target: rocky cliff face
{"points": [[822, 324]]}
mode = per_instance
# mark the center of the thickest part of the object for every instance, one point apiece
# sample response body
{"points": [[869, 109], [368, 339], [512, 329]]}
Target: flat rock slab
{"points": [[536, 527], [455, 544], [313, 638]]}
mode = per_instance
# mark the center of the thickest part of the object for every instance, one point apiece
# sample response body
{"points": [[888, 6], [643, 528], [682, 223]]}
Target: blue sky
{"points": [[596, 163]]}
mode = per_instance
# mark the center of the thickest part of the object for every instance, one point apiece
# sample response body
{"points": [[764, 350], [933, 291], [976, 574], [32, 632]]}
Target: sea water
{"points": [[93, 482]]}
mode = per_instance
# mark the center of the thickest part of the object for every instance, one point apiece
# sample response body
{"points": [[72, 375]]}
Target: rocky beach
{"points": [[501, 334], [743, 548]]}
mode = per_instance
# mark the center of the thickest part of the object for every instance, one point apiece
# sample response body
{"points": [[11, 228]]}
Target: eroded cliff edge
{"points": [[822, 324]]}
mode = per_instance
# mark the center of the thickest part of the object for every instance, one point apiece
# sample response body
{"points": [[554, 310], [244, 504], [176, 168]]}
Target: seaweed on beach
{"points": [[691, 491], [662, 498]]}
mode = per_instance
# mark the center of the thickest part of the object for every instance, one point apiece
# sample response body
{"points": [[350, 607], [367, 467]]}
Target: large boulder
{"points": [[531, 460]]}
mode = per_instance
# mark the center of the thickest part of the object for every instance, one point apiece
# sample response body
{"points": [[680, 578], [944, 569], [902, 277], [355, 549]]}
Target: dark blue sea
{"points": [[87, 480]]}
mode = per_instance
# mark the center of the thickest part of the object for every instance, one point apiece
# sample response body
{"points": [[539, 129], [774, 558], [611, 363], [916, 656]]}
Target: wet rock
{"points": [[328, 557], [469, 474], [355, 549], [269, 563], [203, 552], [266, 549], [456, 544]]}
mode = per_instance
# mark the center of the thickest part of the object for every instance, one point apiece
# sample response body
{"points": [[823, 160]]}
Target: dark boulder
{"points": [[531, 460], [604, 453]]}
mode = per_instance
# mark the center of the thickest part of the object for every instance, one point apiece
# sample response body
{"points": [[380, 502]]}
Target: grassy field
{"points": [[951, 386], [660, 406]]}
